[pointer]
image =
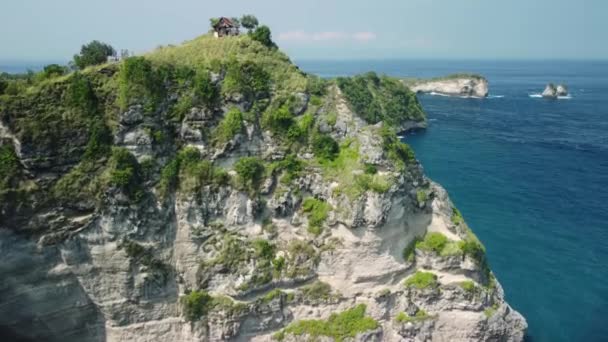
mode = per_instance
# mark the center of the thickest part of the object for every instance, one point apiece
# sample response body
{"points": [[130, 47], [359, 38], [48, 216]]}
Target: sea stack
{"points": [[552, 91]]}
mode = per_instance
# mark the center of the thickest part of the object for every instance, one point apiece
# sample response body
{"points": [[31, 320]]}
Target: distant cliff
{"points": [[467, 85]]}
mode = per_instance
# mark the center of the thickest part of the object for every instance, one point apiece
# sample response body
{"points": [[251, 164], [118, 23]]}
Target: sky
{"points": [[37, 30]]}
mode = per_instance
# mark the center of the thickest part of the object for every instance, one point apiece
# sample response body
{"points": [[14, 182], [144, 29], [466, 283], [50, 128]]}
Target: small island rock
{"points": [[453, 85], [552, 91]]}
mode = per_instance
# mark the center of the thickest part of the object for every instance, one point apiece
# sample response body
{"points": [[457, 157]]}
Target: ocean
{"points": [[531, 178], [529, 175]]}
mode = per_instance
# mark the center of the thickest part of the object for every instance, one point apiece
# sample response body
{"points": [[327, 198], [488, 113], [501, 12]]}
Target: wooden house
{"points": [[225, 27]]}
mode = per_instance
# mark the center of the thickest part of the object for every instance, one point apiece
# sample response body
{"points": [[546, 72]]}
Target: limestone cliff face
{"points": [[212, 258], [468, 86]]}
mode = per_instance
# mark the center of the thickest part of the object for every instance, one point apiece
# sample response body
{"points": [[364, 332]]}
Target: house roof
{"points": [[224, 22]]}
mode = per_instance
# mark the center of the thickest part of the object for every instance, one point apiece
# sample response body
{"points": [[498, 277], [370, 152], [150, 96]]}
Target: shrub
{"points": [[421, 196], [139, 81], [468, 286], [231, 125], [433, 241], [53, 70], [9, 166], [250, 171], [381, 99], [491, 310], [100, 141], [204, 89], [263, 35], [473, 248], [421, 315], [195, 305], [456, 216], [317, 291], [245, 77], [339, 326], [264, 249], [80, 94], [400, 153], [370, 169], [422, 280], [325, 147], [124, 171], [278, 121], [317, 211], [93, 53]]}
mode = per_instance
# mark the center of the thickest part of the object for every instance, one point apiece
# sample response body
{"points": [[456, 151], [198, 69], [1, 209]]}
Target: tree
{"points": [[93, 53], [3, 86], [249, 22], [53, 70], [236, 22], [263, 35], [213, 22]]}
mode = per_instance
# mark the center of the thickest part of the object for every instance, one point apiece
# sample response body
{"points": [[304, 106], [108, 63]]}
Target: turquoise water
{"points": [[531, 178]]}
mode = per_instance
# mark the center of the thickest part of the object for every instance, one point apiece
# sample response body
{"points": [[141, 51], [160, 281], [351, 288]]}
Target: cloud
{"points": [[364, 36], [303, 36]]}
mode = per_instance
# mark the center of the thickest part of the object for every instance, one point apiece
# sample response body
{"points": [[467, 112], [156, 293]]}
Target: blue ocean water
{"points": [[531, 178]]}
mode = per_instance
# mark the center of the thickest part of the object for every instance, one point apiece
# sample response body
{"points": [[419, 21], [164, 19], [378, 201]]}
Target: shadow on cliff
{"points": [[41, 300]]}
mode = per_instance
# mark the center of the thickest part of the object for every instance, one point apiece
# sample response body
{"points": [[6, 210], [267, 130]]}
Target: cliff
{"points": [[211, 191], [465, 85]]}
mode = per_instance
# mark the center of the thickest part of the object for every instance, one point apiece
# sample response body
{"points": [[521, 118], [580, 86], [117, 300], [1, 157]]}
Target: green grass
{"points": [[231, 125], [317, 211], [421, 196], [9, 166], [209, 51], [421, 315], [491, 310], [197, 304], [339, 326], [456, 217], [433, 242], [301, 257], [438, 243], [250, 171], [189, 172], [468, 286], [422, 280], [317, 291]]}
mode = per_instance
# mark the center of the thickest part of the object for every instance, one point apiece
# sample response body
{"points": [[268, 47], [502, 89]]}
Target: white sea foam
{"points": [[536, 95], [568, 97], [495, 96], [438, 94]]}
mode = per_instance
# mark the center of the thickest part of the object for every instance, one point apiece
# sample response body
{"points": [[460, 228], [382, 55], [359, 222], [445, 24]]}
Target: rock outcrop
{"points": [[166, 215], [552, 91], [454, 85]]}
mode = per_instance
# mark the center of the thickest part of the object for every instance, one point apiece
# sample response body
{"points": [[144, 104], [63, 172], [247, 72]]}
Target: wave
{"points": [[495, 96], [536, 96], [433, 93]]}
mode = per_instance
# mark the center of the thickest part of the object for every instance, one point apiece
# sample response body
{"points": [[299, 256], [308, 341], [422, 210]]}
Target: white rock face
{"points": [[119, 273], [552, 91], [457, 86]]}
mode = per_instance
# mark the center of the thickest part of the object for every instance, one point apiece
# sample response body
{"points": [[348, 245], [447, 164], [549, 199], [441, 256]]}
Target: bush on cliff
{"points": [[93, 53], [339, 326], [422, 280]]}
